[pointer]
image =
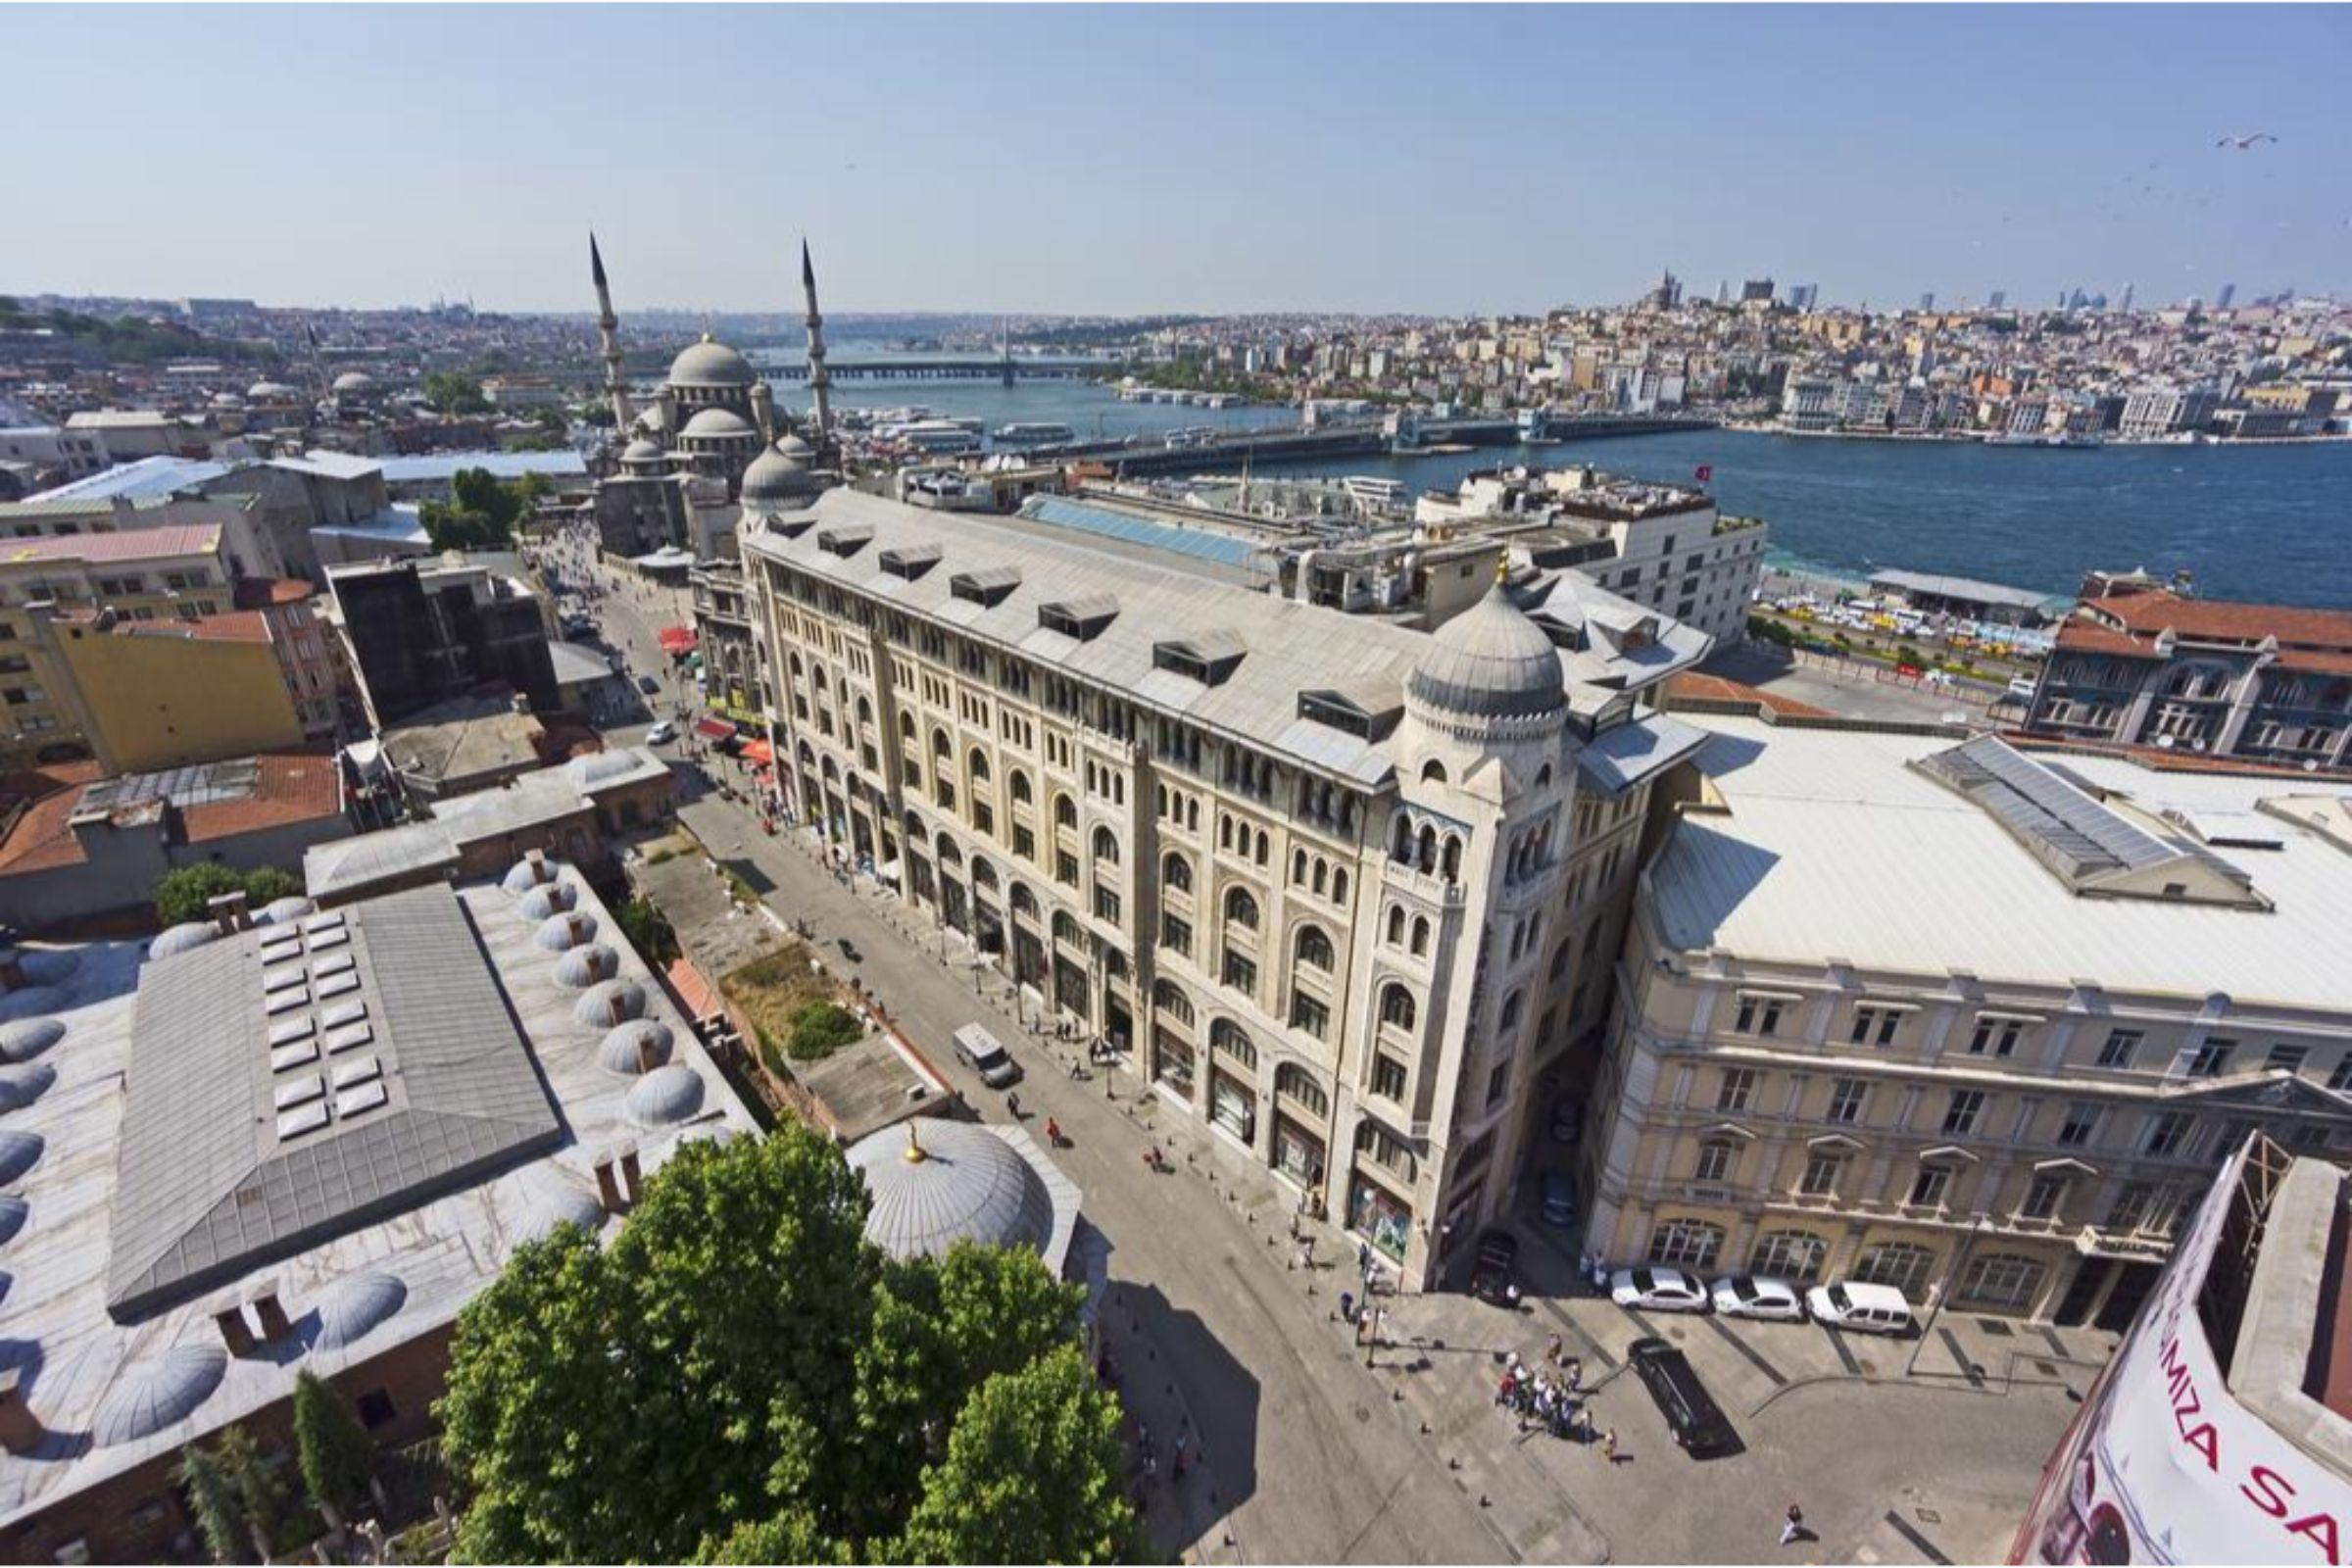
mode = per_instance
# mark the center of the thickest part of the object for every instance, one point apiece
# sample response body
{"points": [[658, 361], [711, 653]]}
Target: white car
{"points": [[1759, 1295], [1661, 1290], [661, 734]]}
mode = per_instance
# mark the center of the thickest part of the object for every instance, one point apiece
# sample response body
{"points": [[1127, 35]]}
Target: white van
{"points": [[1864, 1308]]}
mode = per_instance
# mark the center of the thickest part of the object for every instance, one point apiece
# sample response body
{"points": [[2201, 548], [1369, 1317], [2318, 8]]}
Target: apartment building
{"points": [[1349, 891], [1973, 1022]]}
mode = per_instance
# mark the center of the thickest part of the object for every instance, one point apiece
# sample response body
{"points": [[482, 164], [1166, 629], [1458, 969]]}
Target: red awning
{"points": [[678, 639], [716, 729], [758, 753]]}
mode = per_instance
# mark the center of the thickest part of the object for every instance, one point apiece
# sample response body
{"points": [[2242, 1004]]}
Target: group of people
{"points": [[1551, 1398]]}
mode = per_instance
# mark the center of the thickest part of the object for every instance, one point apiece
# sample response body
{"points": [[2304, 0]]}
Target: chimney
{"points": [[647, 1059], [236, 1330], [228, 913], [19, 1429], [271, 1312], [633, 1178], [608, 1187]]}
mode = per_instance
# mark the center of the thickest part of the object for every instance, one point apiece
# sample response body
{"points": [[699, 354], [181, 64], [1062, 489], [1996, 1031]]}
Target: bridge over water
{"points": [[941, 369]]}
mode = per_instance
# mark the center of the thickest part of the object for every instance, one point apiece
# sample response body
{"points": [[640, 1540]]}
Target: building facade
{"points": [[1346, 890]]}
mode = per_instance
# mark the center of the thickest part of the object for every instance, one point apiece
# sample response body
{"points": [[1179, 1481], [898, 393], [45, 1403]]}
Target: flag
{"points": [[1706, 472]]}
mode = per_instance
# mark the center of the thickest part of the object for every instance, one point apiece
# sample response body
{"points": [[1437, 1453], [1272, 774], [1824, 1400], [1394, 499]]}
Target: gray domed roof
{"points": [[356, 1307], [623, 1049], [23, 1039], [597, 767], [1490, 662], [582, 967], [270, 391], [48, 967], [22, 1085], [936, 1183], [615, 1001], [560, 1203], [524, 875], [354, 382], [777, 476], [14, 1213], [560, 933], [159, 1394], [719, 424], [20, 1151], [549, 898], [285, 910], [665, 1096], [710, 363], [645, 449], [183, 937], [31, 1001]]}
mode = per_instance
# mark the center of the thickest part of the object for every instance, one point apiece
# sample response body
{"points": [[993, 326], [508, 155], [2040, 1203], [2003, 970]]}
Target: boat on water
{"points": [[1035, 434], [2064, 441], [934, 437]]}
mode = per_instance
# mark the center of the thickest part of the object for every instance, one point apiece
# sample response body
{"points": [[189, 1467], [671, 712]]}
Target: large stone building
{"points": [[1962, 1019], [1349, 890], [2140, 664]]}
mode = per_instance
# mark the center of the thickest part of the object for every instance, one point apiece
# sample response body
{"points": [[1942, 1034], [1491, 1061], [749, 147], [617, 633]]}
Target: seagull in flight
{"points": [[2245, 143]]}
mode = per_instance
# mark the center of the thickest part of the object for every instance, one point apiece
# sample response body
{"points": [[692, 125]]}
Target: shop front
{"points": [[1232, 1104], [1379, 1215], [1297, 1151], [1172, 1062]]}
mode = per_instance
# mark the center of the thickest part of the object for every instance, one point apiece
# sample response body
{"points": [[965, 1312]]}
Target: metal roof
{"points": [[145, 478], [1063, 513], [433, 466]]}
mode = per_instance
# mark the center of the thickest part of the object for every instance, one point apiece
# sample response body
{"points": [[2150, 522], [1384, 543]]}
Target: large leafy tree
{"points": [[739, 1376]]}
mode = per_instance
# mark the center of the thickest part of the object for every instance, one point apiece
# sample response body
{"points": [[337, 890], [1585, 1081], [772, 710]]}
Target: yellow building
{"points": [[155, 695]]}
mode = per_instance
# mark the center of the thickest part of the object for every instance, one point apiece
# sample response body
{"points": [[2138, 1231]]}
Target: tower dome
{"points": [[710, 363], [719, 424], [779, 475], [936, 1183], [1490, 662]]}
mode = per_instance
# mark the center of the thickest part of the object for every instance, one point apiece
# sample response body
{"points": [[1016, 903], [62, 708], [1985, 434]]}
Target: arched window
{"points": [[1225, 1039], [1241, 908], [948, 853], [1559, 958], [1172, 1002], [914, 829], [1420, 936], [1338, 885], [939, 744], [1295, 1084], [1065, 929], [984, 875], [1020, 783], [1065, 811], [1176, 872], [1451, 866], [1900, 1264], [1313, 949], [1433, 771], [975, 765], [906, 727], [1790, 1255], [1322, 875], [1425, 848], [1024, 902], [866, 712], [1397, 1005], [1686, 1243], [1264, 846], [1509, 1019], [1397, 925], [1298, 867], [1542, 775], [1106, 847]]}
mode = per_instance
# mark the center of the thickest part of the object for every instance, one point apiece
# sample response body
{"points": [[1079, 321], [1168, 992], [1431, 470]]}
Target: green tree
{"points": [[480, 514], [792, 1537], [454, 392], [822, 1028], [648, 930], [182, 894], [267, 884], [336, 1454], [1031, 1474], [262, 1499], [213, 1500]]}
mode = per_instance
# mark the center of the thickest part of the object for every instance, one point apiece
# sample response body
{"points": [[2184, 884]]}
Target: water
{"points": [[2268, 523]]}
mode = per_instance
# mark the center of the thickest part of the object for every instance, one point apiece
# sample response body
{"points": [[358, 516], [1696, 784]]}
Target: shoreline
{"points": [[1980, 439]]}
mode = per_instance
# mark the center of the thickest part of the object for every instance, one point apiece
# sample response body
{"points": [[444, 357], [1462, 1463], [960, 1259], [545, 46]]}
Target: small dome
{"points": [[48, 967], [719, 424], [936, 1183], [598, 766], [353, 383], [559, 933], [777, 477], [613, 1003], [270, 391], [14, 1213], [665, 1096], [582, 967], [556, 1202], [524, 875], [181, 937], [22, 1085], [285, 912], [710, 363], [1490, 662], [23, 1039], [30, 1001], [644, 450], [356, 1307], [20, 1151], [625, 1047], [552, 897], [159, 1394], [794, 446]]}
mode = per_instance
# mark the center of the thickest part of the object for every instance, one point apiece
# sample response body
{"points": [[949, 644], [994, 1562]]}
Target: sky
{"points": [[1171, 158]]}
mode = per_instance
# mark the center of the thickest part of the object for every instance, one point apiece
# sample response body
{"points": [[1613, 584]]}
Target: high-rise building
{"points": [[2221, 300], [1756, 291], [1999, 298], [2130, 289], [1927, 299], [1801, 296]]}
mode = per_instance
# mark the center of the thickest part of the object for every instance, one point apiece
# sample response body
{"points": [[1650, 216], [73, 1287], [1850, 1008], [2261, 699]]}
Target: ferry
{"points": [[936, 437], [1038, 433]]}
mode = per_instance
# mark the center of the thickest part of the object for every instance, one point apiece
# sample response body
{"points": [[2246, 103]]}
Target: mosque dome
{"points": [[548, 899], [524, 875], [285, 910], [47, 966], [159, 1394], [710, 363], [719, 424], [583, 968], [353, 384], [1490, 662], [935, 1183], [665, 1096], [779, 477], [644, 450], [626, 1047], [23, 1039], [355, 1307], [30, 1001], [270, 391], [20, 1151], [181, 937], [22, 1085], [560, 933], [14, 1213], [610, 1003], [559, 1202]]}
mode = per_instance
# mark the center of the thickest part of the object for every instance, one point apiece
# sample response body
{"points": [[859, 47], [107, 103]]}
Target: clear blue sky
{"points": [[1170, 158]]}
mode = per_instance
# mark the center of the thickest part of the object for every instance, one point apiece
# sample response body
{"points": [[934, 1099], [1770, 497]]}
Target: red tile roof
{"points": [[263, 593], [2149, 612], [1698, 687], [125, 544], [2087, 637], [291, 787]]}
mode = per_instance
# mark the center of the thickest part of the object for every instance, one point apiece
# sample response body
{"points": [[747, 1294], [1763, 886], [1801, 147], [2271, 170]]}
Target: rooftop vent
{"points": [[910, 561], [1209, 658], [988, 586], [1082, 617], [844, 541]]}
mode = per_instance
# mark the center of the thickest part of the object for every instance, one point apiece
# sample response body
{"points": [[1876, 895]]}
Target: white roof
{"points": [[1835, 848]]}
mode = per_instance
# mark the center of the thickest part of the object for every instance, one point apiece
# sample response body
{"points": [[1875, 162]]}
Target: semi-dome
{"points": [[30, 1001], [14, 1213], [560, 933], [613, 1002], [524, 875], [1490, 662], [22, 1085], [710, 363], [936, 1183], [23, 1039], [48, 967], [719, 424], [159, 1394], [550, 898], [665, 1096], [778, 478], [20, 1151], [183, 937], [629, 1047], [644, 450], [355, 1307], [583, 968], [285, 910]]}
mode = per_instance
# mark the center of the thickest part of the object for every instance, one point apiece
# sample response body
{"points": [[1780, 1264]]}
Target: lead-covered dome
{"points": [[779, 475], [1490, 662], [644, 451], [159, 1394], [936, 1183], [355, 1309], [665, 1097], [710, 363]]}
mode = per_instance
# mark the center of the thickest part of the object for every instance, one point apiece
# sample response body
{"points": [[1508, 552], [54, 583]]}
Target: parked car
{"points": [[1864, 1308], [1559, 1199], [648, 685], [2021, 688], [1493, 1275], [981, 1051], [661, 734], [1759, 1295], [1567, 1121], [1660, 1290], [1698, 1422]]}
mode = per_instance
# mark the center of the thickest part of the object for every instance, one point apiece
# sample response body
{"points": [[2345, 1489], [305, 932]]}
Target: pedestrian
{"points": [[1792, 1526], [1346, 1307], [1551, 1350], [1363, 1259], [1608, 1445]]}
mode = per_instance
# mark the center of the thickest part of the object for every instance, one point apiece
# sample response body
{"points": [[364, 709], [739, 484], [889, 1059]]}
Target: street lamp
{"points": [[1980, 1226]]}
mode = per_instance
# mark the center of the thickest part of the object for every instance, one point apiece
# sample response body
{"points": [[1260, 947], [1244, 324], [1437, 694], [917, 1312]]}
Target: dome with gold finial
{"points": [[941, 1181]]}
